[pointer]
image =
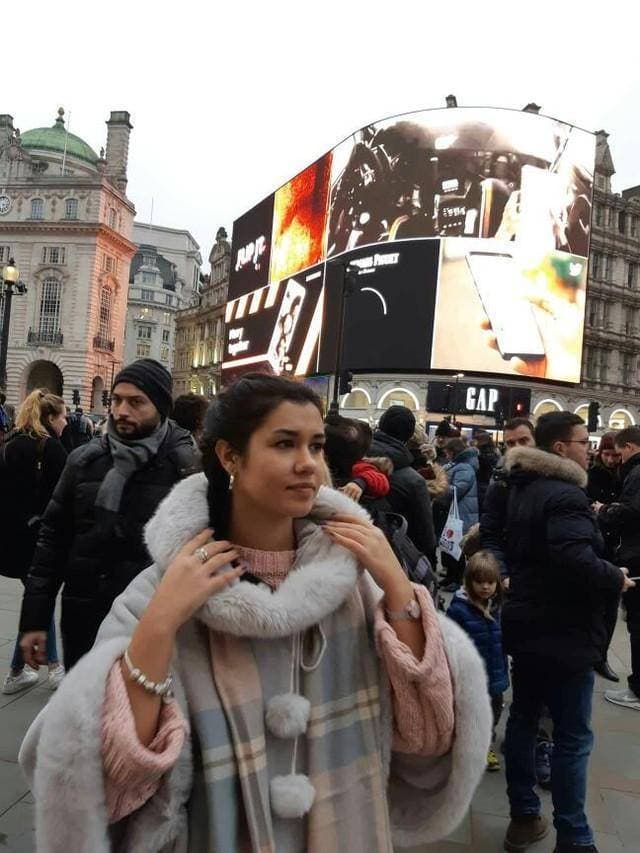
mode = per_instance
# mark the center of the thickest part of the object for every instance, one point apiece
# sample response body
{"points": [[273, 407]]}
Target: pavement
{"points": [[614, 776]]}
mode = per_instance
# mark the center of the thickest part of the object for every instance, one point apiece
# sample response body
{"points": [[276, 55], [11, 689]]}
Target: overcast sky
{"points": [[228, 102]]}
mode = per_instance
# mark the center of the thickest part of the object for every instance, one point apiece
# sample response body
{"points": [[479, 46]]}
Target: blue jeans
{"points": [[17, 662], [568, 697]]}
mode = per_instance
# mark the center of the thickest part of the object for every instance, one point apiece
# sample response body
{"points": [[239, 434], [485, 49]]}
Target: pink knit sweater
{"points": [[422, 696]]}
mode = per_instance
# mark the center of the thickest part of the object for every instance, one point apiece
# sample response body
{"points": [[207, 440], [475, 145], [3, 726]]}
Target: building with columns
{"points": [[164, 279], [612, 333], [66, 220], [199, 345]]}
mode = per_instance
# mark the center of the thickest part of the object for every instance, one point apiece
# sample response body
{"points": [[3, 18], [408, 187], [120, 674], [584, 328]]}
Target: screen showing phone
{"points": [[278, 353], [496, 278]]}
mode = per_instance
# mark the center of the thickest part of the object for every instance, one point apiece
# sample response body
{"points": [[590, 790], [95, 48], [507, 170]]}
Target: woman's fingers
{"points": [[350, 519], [197, 542], [219, 581], [352, 545]]}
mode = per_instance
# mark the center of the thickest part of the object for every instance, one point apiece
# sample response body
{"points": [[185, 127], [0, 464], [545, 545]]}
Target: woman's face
{"points": [[58, 422], [281, 470]]}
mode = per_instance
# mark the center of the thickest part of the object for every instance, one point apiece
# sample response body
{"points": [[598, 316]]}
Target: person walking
{"points": [[621, 519], [409, 495], [461, 471], [488, 459], [79, 430], [553, 626], [31, 462], [316, 687], [91, 537]]}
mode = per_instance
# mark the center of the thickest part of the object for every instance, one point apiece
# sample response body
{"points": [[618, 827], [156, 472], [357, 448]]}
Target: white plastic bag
{"points": [[452, 533]]}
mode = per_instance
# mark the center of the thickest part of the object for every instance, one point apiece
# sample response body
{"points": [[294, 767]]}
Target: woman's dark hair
{"points": [[347, 441], [235, 414], [189, 411]]}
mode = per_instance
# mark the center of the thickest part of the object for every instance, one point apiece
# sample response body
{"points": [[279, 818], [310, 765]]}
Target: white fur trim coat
{"points": [[61, 753]]}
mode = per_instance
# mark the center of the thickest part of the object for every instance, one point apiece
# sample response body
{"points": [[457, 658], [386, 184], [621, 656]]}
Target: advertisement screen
{"points": [[471, 227]]}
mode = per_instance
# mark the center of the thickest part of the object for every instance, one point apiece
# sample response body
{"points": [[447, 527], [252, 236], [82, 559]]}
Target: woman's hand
{"points": [[188, 582], [353, 491], [369, 544]]}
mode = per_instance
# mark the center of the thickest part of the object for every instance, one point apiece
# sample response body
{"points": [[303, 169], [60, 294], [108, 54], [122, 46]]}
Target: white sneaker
{"points": [[24, 679], [624, 698], [55, 677]]}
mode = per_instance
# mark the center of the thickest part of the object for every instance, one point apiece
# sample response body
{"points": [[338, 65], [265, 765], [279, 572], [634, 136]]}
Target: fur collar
{"points": [[544, 464], [323, 574]]}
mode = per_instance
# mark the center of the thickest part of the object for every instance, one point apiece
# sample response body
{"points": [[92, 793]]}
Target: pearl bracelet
{"points": [[159, 688]]}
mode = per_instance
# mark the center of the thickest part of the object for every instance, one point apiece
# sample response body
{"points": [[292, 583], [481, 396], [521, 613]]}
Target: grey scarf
{"points": [[128, 457]]}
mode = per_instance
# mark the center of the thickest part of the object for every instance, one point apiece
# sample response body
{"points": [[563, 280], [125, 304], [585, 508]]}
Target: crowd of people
{"points": [[233, 677]]}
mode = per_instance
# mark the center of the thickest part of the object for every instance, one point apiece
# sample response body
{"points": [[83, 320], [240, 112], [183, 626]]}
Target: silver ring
{"points": [[202, 554]]}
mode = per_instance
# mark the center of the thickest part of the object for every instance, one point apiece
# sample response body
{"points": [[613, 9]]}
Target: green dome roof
{"points": [[53, 139]]}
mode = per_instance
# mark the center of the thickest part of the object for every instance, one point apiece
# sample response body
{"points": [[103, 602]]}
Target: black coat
{"points": [[409, 495], [96, 560], [622, 518], [604, 484], [488, 458], [493, 517], [553, 549], [29, 470]]}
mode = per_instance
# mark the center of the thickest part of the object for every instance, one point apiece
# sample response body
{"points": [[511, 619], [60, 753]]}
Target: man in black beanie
{"points": [[409, 495], [91, 535]]}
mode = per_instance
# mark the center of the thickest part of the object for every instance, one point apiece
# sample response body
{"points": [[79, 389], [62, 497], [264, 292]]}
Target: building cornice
{"points": [[93, 229], [69, 182]]}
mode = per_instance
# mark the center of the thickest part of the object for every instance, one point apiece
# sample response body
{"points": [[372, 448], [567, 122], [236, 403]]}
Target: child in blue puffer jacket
{"points": [[476, 608]]}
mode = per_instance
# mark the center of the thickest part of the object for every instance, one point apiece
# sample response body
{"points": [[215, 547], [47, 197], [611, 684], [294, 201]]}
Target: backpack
{"points": [[414, 563]]}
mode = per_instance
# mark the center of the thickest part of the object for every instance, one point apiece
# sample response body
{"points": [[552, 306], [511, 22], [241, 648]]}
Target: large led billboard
{"points": [[466, 233]]}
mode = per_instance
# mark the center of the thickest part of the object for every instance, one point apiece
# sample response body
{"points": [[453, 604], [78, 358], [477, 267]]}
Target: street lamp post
{"points": [[10, 284], [457, 377], [347, 287]]}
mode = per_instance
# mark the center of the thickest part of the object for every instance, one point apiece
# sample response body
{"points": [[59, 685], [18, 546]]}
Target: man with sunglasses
{"points": [[552, 626]]}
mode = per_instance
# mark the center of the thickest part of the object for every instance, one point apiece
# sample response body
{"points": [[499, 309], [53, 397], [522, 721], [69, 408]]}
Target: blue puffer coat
{"points": [[461, 473], [486, 634]]}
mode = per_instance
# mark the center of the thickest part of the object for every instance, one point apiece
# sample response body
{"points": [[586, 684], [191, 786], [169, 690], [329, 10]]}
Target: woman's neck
{"points": [[251, 528]]}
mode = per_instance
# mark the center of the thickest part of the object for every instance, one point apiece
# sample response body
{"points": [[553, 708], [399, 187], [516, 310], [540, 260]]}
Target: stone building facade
{"points": [[199, 345], [66, 220], [612, 333], [164, 278]]}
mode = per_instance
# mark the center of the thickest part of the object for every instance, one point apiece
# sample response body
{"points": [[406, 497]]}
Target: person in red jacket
{"points": [[347, 442]]}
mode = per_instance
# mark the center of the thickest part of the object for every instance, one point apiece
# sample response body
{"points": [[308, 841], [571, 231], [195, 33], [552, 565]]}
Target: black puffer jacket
{"points": [[622, 518], [96, 561], [30, 467], [409, 495], [553, 548]]}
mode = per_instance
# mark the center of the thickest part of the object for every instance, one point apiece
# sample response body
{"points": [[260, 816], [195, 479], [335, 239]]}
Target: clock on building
{"points": [[5, 204]]}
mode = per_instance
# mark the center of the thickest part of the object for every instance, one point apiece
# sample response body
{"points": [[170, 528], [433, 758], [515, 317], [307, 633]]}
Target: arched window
{"points": [[71, 208], [104, 316], [545, 406], [37, 208], [357, 399], [49, 322], [621, 419]]}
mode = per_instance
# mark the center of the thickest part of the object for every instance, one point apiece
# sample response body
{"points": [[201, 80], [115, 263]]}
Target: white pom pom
{"points": [[291, 796], [288, 715]]}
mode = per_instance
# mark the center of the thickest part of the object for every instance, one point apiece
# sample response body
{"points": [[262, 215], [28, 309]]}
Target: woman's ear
{"points": [[227, 456]]}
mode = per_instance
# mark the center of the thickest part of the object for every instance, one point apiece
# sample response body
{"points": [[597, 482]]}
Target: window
{"points": [[608, 267], [110, 264], [592, 357], [143, 350], [627, 368], [148, 260], [37, 208], [144, 332], [166, 336], [622, 222], [632, 274], [148, 278], [168, 299], [5, 254], [49, 322], [53, 255], [634, 226], [596, 264], [606, 314], [104, 317], [598, 214], [71, 208], [604, 365], [593, 312], [166, 318], [146, 295], [113, 218], [164, 353]]}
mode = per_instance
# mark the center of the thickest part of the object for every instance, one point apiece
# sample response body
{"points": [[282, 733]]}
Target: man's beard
{"points": [[140, 432]]}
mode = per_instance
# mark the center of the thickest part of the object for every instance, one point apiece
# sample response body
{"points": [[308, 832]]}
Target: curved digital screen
{"points": [[466, 235]]}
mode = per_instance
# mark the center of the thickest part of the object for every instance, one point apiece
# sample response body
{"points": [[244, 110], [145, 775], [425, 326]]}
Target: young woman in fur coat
{"points": [[273, 681]]}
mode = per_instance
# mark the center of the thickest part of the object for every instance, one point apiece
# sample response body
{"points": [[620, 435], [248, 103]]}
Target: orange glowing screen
{"points": [[299, 216]]}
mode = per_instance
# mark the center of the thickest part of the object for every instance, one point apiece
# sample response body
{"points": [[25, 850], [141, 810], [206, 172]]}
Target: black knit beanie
{"points": [[398, 422], [151, 377]]}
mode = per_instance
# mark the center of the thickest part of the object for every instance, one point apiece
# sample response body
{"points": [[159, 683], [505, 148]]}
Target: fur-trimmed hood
{"points": [[531, 460]]}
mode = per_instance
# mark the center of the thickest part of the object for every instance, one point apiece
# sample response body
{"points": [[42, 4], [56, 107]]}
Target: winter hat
{"points": [[446, 429], [398, 422], [151, 377], [607, 442]]}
